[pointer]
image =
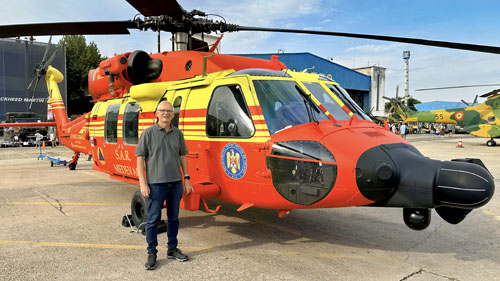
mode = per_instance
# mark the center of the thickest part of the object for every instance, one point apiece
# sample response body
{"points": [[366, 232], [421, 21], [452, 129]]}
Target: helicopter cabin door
{"points": [[187, 120], [228, 142]]}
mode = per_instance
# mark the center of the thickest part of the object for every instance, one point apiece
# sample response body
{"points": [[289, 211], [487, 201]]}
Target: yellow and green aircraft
{"points": [[481, 120]]}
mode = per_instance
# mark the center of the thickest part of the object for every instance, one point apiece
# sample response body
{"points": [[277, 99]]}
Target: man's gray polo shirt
{"points": [[161, 150]]}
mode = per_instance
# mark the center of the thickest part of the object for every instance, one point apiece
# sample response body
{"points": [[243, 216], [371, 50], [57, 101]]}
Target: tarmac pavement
{"points": [[58, 224]]}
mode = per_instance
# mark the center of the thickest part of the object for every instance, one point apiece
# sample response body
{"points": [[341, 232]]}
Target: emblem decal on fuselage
{"points": [[459, 116], [100, 156], [234, 161]]}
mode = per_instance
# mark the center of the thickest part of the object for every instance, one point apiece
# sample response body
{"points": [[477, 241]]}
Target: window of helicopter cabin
{"points": [[327, 101], [177, 110], [491, 118], [131, 123], [228, 114], [111, 122]]}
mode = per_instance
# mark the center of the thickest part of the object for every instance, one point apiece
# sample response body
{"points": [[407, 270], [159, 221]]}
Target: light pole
{"points": [[406, 58]]}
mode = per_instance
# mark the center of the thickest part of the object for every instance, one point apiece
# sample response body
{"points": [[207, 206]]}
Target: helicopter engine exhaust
{"points": [[114, 76], [397, 175]]}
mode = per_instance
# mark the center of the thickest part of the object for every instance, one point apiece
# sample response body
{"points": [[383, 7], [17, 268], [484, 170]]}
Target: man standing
{"points": [[162, 152], [52, 136], [38, 139], [403, 130]]}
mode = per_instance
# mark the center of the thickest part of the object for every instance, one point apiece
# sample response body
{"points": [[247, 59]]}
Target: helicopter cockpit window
{"points": [[228, 115], [131, 123], [177, 109], [110, 124], [284, 105], [349, 102], [327, 101]]}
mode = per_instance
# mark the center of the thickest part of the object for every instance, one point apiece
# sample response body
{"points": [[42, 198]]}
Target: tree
{"points": [[80, 58]]}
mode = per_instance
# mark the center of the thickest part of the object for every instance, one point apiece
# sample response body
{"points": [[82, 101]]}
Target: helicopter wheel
{"points": [[491, 143], [139, 208], [72, 166]]}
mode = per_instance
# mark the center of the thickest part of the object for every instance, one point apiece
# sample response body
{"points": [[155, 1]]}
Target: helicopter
{"points": [[259, 135], [482, 120]]}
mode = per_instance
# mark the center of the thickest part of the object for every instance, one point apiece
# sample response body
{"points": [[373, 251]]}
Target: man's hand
{"points": [[145, 190], [142, 178], [187, 187]]}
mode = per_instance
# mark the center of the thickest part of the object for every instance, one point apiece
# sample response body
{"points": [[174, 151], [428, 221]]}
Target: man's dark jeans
{"points": [[159, 192]]}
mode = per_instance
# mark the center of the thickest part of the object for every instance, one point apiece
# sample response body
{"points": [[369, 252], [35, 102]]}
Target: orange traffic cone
{"points": [[460, 143], [43, 144]]}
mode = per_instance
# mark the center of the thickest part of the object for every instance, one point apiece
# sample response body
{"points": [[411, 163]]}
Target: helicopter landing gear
{"points": [[139, 206], [74, 161], [491, 142]]}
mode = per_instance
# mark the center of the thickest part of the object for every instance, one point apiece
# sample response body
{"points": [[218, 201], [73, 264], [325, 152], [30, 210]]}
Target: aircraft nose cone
{"points": [[464, 185], [398, 175]]}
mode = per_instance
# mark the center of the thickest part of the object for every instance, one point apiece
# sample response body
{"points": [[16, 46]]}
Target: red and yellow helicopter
{"points": [[258, 134]]}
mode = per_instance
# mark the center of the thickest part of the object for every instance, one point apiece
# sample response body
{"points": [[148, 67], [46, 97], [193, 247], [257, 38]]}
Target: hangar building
{"points": [[18, 58], [365, 85]]}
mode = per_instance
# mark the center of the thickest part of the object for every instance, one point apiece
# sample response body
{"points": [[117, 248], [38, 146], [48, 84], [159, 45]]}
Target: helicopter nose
{"points": [[398, 175], [463, 185]]}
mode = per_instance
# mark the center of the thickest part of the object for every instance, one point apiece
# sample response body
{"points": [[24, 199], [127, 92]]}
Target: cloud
{"points": [[375, 48]]}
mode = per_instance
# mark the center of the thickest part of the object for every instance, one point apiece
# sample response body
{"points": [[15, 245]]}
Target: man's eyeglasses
{"points": [[165, 110]]}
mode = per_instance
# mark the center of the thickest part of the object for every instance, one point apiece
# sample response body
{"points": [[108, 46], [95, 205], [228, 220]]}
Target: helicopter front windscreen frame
{"points": [[283, 105], [348, 101]]}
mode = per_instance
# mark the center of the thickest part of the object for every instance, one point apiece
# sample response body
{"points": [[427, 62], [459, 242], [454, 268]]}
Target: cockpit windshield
{"points": [[348, 101], [284, 105], [327, 101]]}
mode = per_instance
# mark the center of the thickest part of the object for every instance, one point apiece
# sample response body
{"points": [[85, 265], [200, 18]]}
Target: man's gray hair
{"points": [[163, 102]]}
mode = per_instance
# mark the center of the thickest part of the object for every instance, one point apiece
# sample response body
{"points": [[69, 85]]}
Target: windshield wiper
{"points": [[310, 105]]}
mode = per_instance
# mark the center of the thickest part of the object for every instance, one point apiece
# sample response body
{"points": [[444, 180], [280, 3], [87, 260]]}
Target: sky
{"points": [[474, 22]]}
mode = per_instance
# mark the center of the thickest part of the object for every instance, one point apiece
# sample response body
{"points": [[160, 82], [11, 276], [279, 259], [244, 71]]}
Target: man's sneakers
{"points": [[151, 262], [176, 254], [171, 254]]}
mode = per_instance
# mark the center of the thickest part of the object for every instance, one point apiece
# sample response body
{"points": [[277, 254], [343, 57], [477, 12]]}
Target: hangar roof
{"points": [[433, 105]]}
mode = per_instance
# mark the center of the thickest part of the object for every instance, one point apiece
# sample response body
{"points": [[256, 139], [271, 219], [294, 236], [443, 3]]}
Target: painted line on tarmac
{"points": [[67, 203], [163, 248], [89, 245], [98, 175], [490, 213], [106, 176]]}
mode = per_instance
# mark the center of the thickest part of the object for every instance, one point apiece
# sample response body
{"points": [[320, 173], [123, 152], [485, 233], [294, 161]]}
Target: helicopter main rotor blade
{"points": [[475, 100], [158, 8], [67, 28], [455, 87], [491, 93], [444, 44]]}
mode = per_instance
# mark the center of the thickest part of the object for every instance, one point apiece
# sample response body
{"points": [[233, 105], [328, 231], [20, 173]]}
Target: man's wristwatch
{"points": [[187, 177]]}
